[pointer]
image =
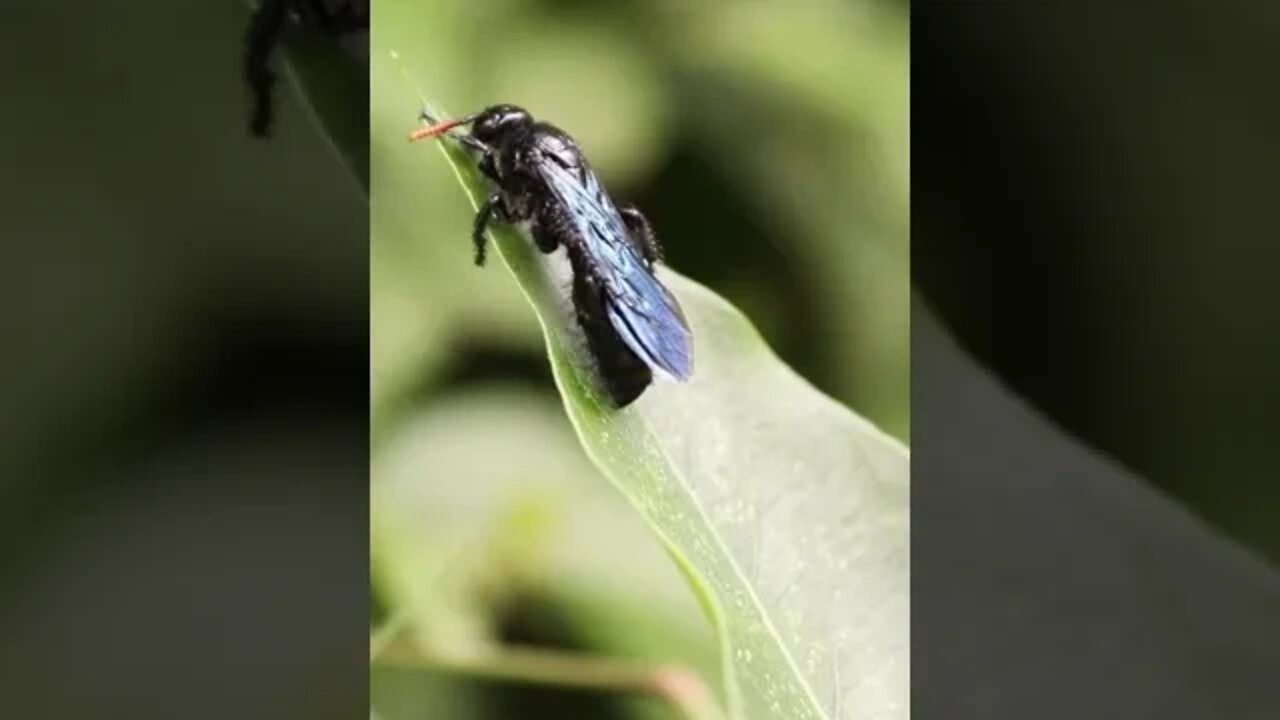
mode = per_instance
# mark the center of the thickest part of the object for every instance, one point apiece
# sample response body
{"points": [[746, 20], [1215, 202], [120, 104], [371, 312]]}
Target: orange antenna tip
{"points": [[438, 128]]}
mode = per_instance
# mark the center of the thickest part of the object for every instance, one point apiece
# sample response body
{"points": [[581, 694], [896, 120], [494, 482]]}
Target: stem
{"points": [[383, 636], [680, 688]]}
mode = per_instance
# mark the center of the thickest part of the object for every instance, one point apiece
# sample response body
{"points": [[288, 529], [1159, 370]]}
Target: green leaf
{"points": [[786, 512]]}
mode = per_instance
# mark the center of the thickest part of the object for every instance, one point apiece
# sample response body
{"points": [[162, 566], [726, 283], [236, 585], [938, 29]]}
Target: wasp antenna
{"points": [[438, 128]]}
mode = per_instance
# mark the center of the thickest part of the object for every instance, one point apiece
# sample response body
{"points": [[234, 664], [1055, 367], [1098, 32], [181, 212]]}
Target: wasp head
{"points": [[499, 120]]}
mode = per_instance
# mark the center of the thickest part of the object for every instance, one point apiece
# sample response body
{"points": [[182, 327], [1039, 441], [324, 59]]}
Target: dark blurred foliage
{"points": [[1095, 217], [184, 464], [1049, 582]]}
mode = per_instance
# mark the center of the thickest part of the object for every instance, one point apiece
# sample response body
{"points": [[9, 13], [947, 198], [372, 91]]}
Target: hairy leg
{"points": [[551, 227], [641, 234], [492, 209], [487, 163], [264, 30]]}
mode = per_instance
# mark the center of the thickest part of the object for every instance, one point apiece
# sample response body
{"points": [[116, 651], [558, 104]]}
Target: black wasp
{"points": [[632, 324], [335, 18]]}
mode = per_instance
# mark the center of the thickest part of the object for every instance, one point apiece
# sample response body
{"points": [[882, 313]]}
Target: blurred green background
{"points": [[767, 143]]}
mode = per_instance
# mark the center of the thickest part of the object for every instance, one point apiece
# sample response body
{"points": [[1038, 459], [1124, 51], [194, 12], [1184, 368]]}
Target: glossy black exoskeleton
{"points": [[633, 325], [335, 18]]}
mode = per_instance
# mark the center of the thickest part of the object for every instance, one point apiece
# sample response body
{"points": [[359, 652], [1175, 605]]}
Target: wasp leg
{"points": [[545, 238], [641, 233], [261, 37], [493, 208], [474, 144], [549, 227], [465, 139], [487, 163], [348, 18]]}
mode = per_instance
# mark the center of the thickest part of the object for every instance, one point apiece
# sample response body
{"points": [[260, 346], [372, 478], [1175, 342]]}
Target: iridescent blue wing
{"points": [[645, 314]]}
